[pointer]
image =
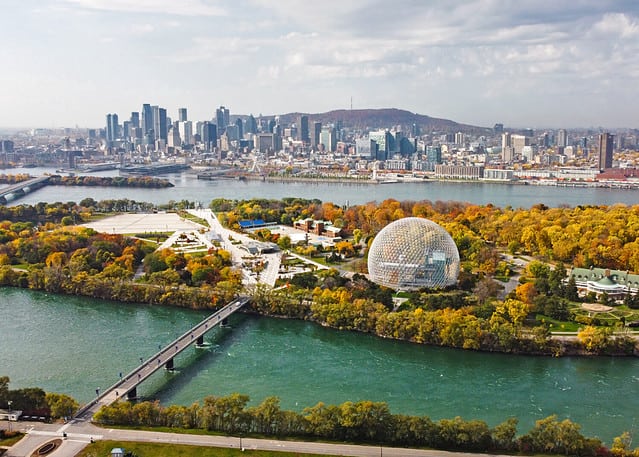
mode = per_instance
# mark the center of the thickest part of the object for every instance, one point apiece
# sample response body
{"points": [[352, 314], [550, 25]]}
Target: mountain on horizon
{"points": [[369, 119]]}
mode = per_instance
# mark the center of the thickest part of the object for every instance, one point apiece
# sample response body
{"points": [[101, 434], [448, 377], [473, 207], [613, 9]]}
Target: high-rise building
{"points": [[160, 127], [240, 128], [111, 128], [606, 141], [506, 147], [182, 115], [434, 154], [518, 142], [315, 134], [562, 138], [147, 119], [186, 132], [328, 137], [135, 120], [222, 118], [208, 135], [302, 129], [251, 124]]}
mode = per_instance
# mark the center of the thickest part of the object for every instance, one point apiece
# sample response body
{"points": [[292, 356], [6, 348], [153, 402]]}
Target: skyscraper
{"points": [[302, 129], [135, 120], [240, 128], [209, 135], [605, 150], [315, 134], [562, 138], [160, 127], [147, 119], [182, 115], [222, 118], [111, 128], [251, 124]]}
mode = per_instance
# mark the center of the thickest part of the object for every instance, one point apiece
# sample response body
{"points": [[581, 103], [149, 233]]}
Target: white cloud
{"points": [[171, 7]]}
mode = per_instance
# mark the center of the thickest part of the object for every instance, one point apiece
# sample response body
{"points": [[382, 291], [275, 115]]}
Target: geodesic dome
{"points": [[412, 253]]}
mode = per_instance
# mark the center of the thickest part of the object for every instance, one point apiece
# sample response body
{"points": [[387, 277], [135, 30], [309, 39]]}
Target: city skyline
{"points": [[523, 64]]}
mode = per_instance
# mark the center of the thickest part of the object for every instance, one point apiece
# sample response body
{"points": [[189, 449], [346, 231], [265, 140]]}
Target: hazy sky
{"points": [[524, 63]]}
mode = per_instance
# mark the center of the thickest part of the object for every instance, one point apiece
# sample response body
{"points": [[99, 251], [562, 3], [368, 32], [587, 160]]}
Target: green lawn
{"points": [[103, 448], [11, 441]]}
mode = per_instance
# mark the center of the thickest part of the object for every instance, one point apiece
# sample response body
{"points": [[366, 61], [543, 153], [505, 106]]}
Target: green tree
{"points": [[61, 405]]}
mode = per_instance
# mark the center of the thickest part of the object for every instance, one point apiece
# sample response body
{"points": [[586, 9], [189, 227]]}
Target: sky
{"points": [[523, 63]]}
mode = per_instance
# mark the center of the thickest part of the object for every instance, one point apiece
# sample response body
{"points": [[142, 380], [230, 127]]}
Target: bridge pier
{"points": [[169, 365], [132, 394], [200, 340]]}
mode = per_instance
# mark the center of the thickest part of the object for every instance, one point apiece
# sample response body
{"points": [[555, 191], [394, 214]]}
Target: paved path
{"points": [[80, 433]]}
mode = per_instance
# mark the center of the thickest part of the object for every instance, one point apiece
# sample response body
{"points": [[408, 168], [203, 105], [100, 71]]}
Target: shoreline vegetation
{"points": [[43, 250], [90, 181], [362, 422]]}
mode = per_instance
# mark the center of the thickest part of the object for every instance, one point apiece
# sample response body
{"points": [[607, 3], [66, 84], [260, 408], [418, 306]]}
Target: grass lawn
{"points": [[103, 448], [559, 326], [11, 441]]}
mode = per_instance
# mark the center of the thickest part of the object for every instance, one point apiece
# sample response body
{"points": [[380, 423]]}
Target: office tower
{"points": [[126, 130], [182, 115], [518, 142], [605, 150], [251, 124], [302, 129], [434, 154], [147, 119], [209, 135], [111, 128], [240, 128], [186, 132], [460, 138], [232, 132], [498, 129], [315, 134], [506, 148], [328, 137], [160, 127], [135, 120], [562, 138], [222, 118]]}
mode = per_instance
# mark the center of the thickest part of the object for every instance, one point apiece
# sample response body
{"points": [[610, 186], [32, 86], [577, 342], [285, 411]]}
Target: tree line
{"points": [[362, 422], [111, 181]]}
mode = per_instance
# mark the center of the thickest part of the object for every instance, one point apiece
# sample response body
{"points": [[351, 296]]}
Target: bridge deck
{"points": [[21, 185], [159, 360]]}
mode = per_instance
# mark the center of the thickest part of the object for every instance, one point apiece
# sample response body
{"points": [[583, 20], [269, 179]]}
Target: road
{"points": [[80, 433]]}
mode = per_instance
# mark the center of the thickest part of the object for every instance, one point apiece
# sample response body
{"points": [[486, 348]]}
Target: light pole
{"points": [[9, 402]]}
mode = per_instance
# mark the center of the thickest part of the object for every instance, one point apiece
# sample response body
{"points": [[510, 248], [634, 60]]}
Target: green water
{"points": [[74, 345]]}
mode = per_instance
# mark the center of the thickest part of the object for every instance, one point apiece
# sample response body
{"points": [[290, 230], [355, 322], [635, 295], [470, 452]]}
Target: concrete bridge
{"points": [[126, 387], [22, 188]]}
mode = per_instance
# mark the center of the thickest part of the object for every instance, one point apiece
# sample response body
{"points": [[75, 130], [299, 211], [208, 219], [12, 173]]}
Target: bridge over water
{"points": [[126, 387], [23, 187]]}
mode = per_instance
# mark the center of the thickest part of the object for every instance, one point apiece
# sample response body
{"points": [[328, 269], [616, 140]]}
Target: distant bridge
{"points": [[126, 387], [22, 188]]}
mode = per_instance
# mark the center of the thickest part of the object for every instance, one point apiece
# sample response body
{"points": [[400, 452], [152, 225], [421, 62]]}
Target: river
{"points": [[74, 345], [188, 187]]}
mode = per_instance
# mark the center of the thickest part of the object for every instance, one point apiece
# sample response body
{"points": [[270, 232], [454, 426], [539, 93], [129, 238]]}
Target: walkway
{"points": [[79, 435], [162, 359]]}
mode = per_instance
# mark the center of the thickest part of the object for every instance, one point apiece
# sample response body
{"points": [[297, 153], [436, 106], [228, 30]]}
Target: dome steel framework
{"points": [[413, 253]]}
